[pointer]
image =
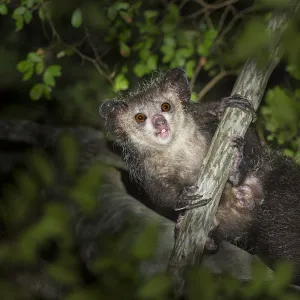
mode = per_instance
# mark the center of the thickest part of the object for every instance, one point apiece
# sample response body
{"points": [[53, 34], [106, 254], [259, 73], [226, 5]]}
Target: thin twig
{"points": [[196, 14], [213, 82], [182, 4], [223, 17], [95, 50], [79, 53], [233, 10], [197, 71], [94, 62], [216, 5], [240, 15], [208, 19]]}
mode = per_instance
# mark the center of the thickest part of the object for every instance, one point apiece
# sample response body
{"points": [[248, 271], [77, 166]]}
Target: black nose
{"points": [[111, 106]]}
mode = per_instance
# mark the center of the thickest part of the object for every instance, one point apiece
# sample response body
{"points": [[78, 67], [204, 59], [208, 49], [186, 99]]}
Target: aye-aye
{"points": [[165, 138]]}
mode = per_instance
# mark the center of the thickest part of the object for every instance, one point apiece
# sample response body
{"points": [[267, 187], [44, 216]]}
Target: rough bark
{"points": [[195, 225]]}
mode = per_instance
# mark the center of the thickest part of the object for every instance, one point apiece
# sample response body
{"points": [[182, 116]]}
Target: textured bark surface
{"points": [[196, 224]]}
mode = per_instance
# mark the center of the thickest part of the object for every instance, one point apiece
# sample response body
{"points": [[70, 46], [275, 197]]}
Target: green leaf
{"points": [[27, 16], [144, 245], [63, 274], [39, 68], [76, 19], [112, 12], [85, 199], [3, 9], [34, 57], [173, 10], [205, 45], [114, 9], [294, 71], [121, 5], [91, 178], [19, 23], [124, 49], [281, 112], [41, 13], [19, 11], [36, 91], [28, 74], [282, 278], [145, 53], [252, 42], [69, 152], [157, 287], [5, 251], [50, 73], [209, 64], [259, 282], [47, 91], [126, 16], [85, 190], [84, 294], [53, 224], [140, 70], [69, 51], [24, 65], [42, 167], [48, 79], [27, 185], [61, 54], [230, 287], [121, 83], [194, 97], [169, 53], [149, 14], [190, 67], [29, 3], [201, 282], [55, 70], [152, 62], [170, 41]]}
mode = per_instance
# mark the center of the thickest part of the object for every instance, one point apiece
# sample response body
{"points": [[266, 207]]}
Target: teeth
{"points": [[164, 130]]}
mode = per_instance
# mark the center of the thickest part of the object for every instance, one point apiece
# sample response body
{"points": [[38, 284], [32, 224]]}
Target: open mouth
{"points": [[164, 133]]}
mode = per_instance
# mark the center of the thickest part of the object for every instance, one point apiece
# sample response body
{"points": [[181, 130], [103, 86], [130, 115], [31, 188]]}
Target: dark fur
{"points": [[270, 229]]}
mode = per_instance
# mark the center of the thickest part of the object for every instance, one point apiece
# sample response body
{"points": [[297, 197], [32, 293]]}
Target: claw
{"points": [[238, 142], [193, 197], [240, 102], [197, 204], [190, 194]]}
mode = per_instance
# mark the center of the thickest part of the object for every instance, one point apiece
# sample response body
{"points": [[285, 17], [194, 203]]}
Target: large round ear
{"points": [[110, 107], [176, 85]]}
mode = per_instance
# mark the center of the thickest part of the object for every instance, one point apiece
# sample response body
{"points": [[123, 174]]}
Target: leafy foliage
{"points": [[116, 270]]}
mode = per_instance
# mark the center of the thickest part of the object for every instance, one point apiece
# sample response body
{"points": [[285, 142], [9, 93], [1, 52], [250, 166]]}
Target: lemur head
{"points": [[150, 117]]}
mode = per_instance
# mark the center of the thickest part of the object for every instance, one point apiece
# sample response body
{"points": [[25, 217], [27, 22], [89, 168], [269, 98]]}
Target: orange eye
{"points": [[165, 106], [140, 117]]}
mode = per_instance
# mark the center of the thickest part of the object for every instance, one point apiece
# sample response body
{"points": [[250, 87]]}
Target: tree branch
{"points": [[195, 224], [216, 5], [213, 82], [99, 65]]}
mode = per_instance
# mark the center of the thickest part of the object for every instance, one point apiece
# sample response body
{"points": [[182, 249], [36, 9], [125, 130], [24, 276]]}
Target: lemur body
{"points": [[165, 139]]}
